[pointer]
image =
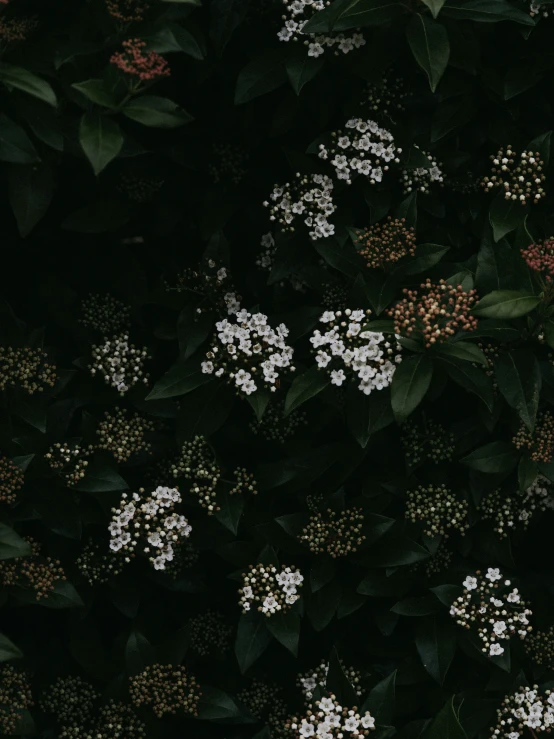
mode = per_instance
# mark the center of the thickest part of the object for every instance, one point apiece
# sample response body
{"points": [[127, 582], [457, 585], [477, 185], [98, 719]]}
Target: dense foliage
{"points": [[276, 369]]}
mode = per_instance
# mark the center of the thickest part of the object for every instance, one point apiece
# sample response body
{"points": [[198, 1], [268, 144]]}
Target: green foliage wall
{"points": [[399, 462]]}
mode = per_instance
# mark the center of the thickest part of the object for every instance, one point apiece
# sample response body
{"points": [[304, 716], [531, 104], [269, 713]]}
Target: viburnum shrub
{"points": [[276, 369]]}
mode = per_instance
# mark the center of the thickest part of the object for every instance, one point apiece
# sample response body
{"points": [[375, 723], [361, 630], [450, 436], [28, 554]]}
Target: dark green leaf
{"points": [[100, 478], [367, 414], [226, 16], [260, 76], [471, 378], [380, 702], [446, 724], [8, 650], [138, 653], [505, 216], [28, 82], [252, 639], [96, 92], [302, 68], [435, 639], [182, 378], [428, 41], [11, 544], [486, 11], [304, 387], [101, 139], [31, 191], [157, 112], [519, 380], [498, 456], [425, 257], [15, 146], [215, 705], [505, 304], [462, 350], [410, 382], [285, 627], [345, 14]]}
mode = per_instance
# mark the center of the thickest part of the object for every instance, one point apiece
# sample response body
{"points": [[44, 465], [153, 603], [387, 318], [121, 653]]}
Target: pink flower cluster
{"points": [[147, 66], [540, 258]]}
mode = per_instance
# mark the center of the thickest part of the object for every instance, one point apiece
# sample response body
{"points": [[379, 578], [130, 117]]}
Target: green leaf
{"points": [[15, 146], [506, 304], [337, 683], [446, 724], [64, 595], [471, 378], [367, 414], [156, 112], [462, 350], [216, 705], [28, 82], [428, 41], [204, 411], [344, 14], [380, 702], [418, 606], [410, 383], [434, 6], [231, 508], [101, 139], [285, 627], [96, 92], [193, 329], [100, 478], [425, 257], [259, 401], [396, 552], [226, 16], [182, 378], [304, 387], [435, 640], [519, 380], [486, 11], [8, 650], [321, 573], [139, 653], [11, 544], [173, 37], [498, 330], [527, 472], [498, 456], [322, 605], [31, 191], [260, 76], [302, 68], [252, 639], [505, 216]]}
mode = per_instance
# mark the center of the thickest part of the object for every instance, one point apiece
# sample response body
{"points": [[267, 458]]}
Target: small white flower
{"points": [[496, 649]]}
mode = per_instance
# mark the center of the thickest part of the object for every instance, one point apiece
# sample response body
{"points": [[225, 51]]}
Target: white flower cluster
{"points": [[516, 511], [271, 589], [498, 614], [267, 255], [525, 708], [298, 14], [152, 519], [364, 148], [251, 352], [120, 363], [309, 681], [420, 179], [366, 354], [332, 720], [538, 9], [309, 196]]}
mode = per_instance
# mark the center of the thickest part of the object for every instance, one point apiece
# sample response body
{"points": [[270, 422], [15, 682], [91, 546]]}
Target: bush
{"points": [[276, 369]]}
